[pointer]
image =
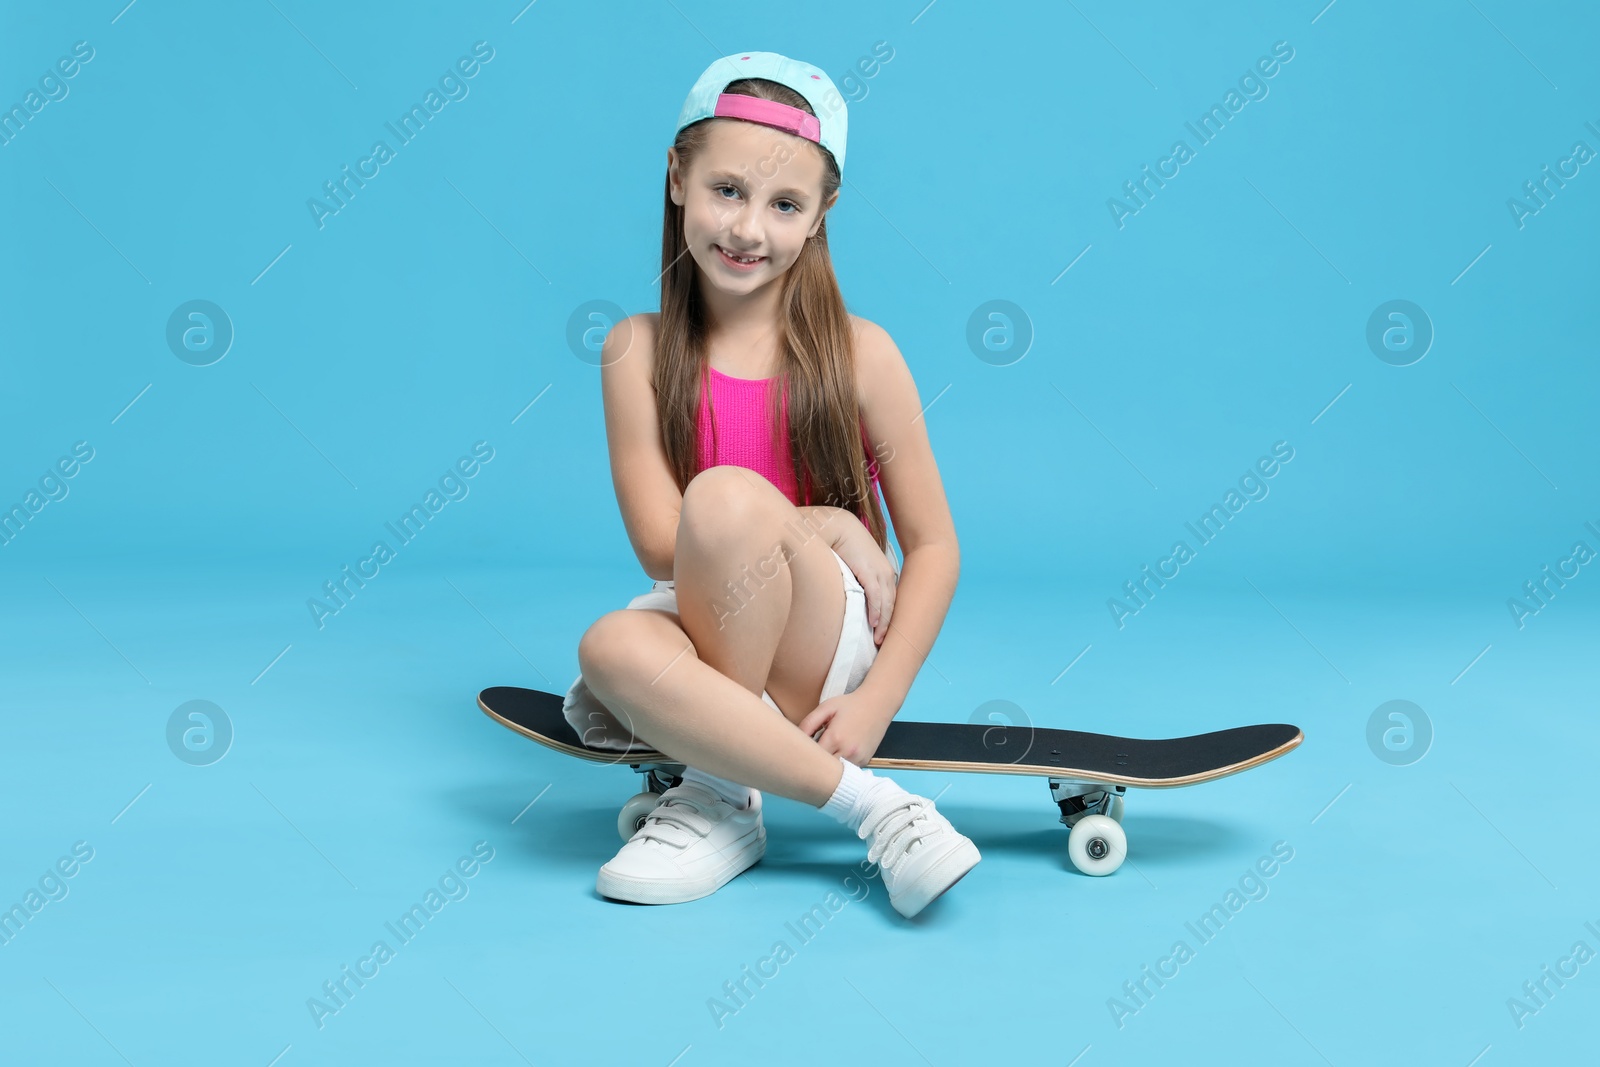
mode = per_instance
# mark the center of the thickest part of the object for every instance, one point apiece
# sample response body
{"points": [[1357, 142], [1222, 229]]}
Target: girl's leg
{"points": [[759, 607]]}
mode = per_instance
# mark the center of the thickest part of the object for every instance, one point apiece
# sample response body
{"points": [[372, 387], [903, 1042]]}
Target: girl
{"points": [[739, 420]]}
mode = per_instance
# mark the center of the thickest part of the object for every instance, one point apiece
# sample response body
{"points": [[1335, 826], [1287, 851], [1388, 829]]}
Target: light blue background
{"points": [[1229, 313]]}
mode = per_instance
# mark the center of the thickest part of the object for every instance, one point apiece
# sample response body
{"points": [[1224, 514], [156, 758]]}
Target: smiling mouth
{"points": [[738, 261]]}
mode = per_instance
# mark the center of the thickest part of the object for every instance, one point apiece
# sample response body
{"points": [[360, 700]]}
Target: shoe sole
{"points": [[945, 872], [678, 890]]}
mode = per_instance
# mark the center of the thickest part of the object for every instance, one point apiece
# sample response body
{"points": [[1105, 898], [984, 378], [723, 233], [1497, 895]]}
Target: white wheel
{"points": [[1097, 845], [631, 817]]}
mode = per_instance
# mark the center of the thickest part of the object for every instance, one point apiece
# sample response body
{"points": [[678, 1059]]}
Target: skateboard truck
{"points": [[1077, 799], [658, 778], [1097, 844]]}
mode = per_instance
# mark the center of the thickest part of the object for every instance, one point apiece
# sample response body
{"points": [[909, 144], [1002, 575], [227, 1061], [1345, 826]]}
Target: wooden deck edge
{"points": [[1032, 770], [589, 755]]}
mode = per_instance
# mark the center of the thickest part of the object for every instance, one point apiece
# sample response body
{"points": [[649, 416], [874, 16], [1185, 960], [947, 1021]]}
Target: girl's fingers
{"points": [[815, 721]]}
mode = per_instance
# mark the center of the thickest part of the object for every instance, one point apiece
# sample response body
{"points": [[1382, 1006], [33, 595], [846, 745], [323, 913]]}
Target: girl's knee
{"points": [[725, 501], [602, 650], [628, 643]]}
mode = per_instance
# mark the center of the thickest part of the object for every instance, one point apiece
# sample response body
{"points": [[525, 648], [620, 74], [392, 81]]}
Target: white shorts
{"points": [[852, 658]]}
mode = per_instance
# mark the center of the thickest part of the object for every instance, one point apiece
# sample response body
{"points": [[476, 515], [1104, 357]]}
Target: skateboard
{"points": [[1088, 774]]}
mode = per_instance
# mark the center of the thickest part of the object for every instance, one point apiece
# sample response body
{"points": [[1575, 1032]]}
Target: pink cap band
{"points": [[769, 113]]}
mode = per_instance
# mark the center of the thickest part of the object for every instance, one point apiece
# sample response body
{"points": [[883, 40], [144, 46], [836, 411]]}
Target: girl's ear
{"points": [[674, 177], [832, 200]]}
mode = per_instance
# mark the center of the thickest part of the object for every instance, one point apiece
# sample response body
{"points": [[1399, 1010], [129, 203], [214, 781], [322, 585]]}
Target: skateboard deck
{"points": [[928, 746], [1087, 773]]}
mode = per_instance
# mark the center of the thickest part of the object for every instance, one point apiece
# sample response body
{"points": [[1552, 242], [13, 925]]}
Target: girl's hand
{"points": [[852, 725], [872, 568]]}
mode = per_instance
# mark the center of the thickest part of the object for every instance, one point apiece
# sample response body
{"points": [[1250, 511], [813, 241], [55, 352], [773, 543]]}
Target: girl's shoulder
{"points": [[634, 334], [868, 334], [873, 345], [875, 352], [883, 380], [646, 321]]}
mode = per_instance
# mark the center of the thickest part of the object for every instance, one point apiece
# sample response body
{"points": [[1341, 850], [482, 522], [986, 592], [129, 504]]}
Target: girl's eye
{"points": [[790, 203]]}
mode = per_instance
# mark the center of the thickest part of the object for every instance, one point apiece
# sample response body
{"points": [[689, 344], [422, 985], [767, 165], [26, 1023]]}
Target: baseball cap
{"points": [[827, 127]]}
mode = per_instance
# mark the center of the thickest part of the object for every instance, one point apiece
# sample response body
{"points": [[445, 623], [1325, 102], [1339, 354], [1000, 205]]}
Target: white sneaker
{"points": [[917, 850], [692, 844]]}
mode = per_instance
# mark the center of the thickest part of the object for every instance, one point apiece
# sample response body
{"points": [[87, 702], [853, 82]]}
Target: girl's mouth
{"points": [[736, 263]]}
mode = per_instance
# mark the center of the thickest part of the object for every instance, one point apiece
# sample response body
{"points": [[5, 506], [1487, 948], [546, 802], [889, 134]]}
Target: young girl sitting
{"points": [[740, 421]]}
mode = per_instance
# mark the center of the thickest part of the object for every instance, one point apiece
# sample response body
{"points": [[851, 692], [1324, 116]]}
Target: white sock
{"points": [[858, 790], [734, 793]]}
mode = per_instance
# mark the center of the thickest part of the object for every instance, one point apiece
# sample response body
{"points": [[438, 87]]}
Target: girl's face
{"points": [[750, 201]]}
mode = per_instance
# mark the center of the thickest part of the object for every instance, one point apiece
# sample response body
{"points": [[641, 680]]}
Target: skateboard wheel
{"points": [[1097, 845], [632, 815]]}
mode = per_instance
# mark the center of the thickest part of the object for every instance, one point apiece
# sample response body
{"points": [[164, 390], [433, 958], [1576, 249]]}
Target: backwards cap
{"points": [[827, 127]]}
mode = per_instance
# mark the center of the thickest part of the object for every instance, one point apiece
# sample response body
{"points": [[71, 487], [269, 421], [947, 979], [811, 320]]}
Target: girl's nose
{"points": [[745, 227]]}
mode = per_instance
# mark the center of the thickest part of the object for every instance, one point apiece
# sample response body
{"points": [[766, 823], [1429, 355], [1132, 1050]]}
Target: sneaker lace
{"points": [[677, 819], [899, 829]]}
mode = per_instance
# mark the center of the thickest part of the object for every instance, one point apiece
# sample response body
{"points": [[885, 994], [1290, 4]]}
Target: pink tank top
{"points": [[743, 437]]}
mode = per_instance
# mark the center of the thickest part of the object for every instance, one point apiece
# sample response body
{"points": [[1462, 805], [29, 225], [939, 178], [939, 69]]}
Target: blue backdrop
{"points": [[1257, 343]]}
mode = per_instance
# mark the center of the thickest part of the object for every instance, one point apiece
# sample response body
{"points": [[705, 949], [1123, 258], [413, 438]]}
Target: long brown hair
{"points": [[815, 346]]}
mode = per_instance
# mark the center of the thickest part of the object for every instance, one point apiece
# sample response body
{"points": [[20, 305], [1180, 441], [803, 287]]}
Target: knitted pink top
{"points": [[743, 437]]}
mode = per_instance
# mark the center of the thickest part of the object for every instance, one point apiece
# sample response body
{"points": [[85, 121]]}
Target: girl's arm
{"points": [[915, 497], [647, 494]]}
